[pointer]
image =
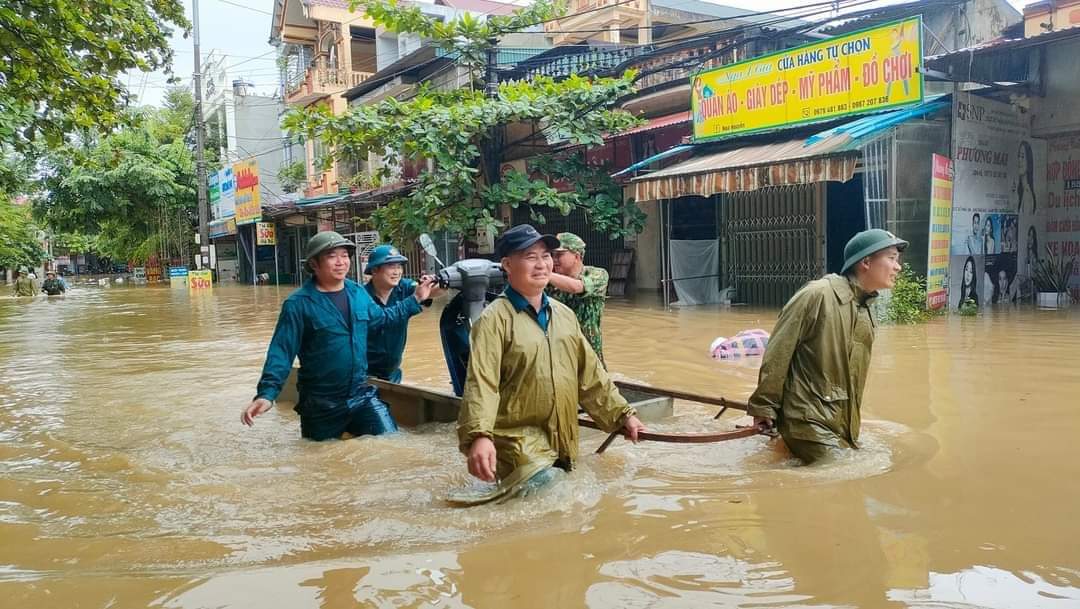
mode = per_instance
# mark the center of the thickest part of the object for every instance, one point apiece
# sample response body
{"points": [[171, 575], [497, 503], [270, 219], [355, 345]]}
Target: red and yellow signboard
{"points": [[868, 70], [937, 263], [200, 280], [248, 205]]}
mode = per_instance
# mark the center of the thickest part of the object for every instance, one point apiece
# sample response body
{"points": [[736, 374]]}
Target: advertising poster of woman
{"points": [[999, 183]]}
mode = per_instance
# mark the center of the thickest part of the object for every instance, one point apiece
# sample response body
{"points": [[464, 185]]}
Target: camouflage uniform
{"points": [[53, 287], [588, 306]]}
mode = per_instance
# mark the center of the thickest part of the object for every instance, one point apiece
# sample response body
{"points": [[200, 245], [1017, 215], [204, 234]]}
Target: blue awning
{"points": [[861, 128], [670, 152], [321, 201]]}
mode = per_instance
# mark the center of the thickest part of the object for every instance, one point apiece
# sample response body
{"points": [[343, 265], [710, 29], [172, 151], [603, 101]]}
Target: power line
{"points": [[773, 12], [657, 47], [577, 14], [779, 18], [701, 60], [250, 8], [222, 54]]}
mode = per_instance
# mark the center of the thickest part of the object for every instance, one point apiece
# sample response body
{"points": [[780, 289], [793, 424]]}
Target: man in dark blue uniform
{"points": [[387, 288], [326, 323]]}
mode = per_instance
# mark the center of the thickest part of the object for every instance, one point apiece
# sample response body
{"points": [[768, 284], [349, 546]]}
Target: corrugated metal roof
{"points": [[719, 11], [331, 3], [793, 161], [844, 138], [865, 18], [657, 123], [1009, 44], [321, 200]]}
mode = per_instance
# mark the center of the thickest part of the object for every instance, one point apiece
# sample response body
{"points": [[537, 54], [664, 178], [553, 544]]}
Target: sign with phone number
{"points": [[864, 71]]}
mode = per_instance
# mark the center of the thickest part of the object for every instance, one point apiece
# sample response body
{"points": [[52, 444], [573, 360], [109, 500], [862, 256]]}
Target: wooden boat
{"points": [[413, 406]]}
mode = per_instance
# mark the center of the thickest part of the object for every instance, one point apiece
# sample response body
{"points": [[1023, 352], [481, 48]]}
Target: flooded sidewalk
{"points": [[127, 480]]}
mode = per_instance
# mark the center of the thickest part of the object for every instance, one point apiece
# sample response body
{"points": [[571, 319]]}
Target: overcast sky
{"points": [[241, 30]]}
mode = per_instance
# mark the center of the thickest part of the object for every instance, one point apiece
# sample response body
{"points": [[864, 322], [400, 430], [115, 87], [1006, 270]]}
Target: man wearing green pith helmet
{"points": [[326, 324], [24, 284], [812, 376], [387, 287], [580, 287]]}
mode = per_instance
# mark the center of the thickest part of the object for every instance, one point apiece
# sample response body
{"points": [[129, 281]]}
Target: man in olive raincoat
{"points": [[812, 375], [529, 369], [24, 284], [326, 323]]}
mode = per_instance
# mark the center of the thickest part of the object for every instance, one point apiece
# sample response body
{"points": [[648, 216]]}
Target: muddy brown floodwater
{"points": [[126, 479]]}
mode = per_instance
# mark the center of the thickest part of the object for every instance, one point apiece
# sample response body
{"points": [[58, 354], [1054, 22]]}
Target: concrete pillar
{"points": [[647, 249], [613, 33]]}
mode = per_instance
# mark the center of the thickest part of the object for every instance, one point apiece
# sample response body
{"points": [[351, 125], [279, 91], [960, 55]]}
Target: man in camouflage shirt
{"points": [[582, 288]]}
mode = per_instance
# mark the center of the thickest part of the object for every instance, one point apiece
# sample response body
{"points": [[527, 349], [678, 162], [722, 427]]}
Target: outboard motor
{"points": [[473, 278], [478, 282]]}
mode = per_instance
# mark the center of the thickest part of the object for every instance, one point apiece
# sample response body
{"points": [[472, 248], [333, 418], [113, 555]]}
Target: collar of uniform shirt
{"points": [[520, 304]]}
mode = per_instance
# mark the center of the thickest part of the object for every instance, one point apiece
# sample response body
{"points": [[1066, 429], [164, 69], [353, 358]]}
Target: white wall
{"points": [[647, 249], [258, 134]]}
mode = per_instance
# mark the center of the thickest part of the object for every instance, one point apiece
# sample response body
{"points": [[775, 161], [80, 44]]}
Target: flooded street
{"points": [[127, 480]]}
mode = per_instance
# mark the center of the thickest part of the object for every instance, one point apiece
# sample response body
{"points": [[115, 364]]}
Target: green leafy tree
{"points": [[75, 243], [60, 62], [292, 176], [19, 243], [450, 132], [132, 190]]}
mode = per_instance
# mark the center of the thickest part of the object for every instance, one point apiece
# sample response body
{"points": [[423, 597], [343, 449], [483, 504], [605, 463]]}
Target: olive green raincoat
{"points": [[814, 369], [524, 385], [24, 286]]}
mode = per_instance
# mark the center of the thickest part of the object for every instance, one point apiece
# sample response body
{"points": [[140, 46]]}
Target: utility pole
{"points": [[203, 257], [492, 152], [492, 156]]}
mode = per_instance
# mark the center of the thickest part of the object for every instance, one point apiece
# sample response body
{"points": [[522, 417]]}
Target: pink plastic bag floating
{"points": [[748, 343]]}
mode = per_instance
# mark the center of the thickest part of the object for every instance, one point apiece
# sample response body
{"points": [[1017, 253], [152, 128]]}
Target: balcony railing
{"points": [[590, 61], [321, 79], [656, 67]]}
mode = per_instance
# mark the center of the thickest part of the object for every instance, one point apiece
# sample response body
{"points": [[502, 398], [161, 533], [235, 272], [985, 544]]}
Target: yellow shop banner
{"points": [[864, 71], [248, 205]]}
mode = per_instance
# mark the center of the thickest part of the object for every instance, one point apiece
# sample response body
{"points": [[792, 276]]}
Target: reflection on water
{"points": [[992, 588], [126, 479], [675, 579]]}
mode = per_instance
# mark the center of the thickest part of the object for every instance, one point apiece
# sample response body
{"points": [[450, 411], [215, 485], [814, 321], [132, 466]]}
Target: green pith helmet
{"points": [[869, 242], [326, 240], [571, 243], [383, 254]]}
